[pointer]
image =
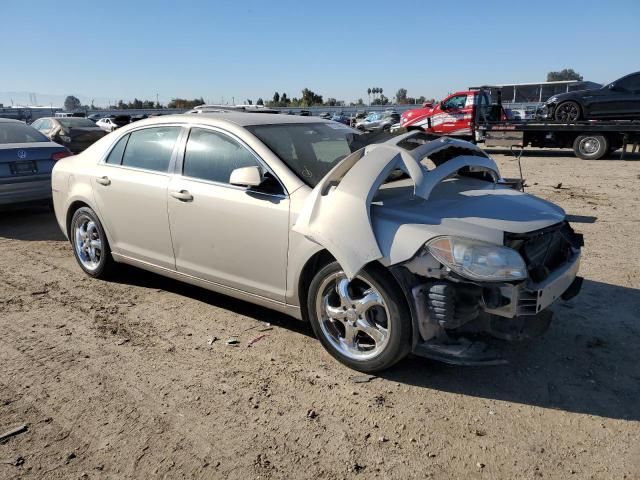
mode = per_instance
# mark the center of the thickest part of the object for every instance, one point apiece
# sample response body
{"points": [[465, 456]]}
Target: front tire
{"points": [[90, 245], [568, 112], [364, 323], [591, 147]]}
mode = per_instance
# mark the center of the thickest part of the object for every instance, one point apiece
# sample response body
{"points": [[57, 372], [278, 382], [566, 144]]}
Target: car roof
{"points": [[9, 120], [242, 119]]}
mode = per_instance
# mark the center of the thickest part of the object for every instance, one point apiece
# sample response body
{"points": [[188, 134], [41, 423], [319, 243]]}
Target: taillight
{"points": [[60, 155]]}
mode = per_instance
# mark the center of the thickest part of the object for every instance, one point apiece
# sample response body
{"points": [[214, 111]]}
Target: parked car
{"points": [[617, 100], [94, 117], [378, 121], [341, 119], [380, 254], [74, 133], [109, 124], [26, 160]]}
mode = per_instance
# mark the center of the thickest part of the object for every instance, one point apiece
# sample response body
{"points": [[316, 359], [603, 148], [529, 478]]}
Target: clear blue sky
{"points": [[249, 48]]}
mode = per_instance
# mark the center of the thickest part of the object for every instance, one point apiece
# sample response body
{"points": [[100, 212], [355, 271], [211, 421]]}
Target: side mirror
{"points": [[427, 105], [613, 87], [246, 177]]}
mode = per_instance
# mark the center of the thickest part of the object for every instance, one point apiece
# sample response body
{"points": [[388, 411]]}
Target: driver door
{"points": [[229, 235], [451, 117]]}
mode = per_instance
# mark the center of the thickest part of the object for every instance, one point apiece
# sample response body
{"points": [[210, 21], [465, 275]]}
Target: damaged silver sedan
{"points": [[416, 244]]}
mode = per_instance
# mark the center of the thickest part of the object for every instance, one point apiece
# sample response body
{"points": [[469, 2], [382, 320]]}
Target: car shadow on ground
{"points": [[586, 363], [555, 153], [30, 223], [134, 276]]}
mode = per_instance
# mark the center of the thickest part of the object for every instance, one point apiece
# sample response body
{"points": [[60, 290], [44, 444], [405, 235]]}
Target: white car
{"points": [[382, 255], [109, 124]]}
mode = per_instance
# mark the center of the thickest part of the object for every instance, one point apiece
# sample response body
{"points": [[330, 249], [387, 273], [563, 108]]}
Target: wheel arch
{"points": [[73, 207]]}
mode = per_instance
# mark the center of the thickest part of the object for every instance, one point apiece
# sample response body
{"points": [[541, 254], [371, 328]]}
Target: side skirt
{"points": [[282, 307]]}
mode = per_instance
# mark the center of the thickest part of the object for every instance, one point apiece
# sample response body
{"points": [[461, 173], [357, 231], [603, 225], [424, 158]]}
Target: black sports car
{"points": [[617, 100]]}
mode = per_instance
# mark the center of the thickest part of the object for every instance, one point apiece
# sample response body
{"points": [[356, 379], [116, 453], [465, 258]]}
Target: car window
{"points": [[36, 124], [72, 122], [310, 149], [115, 156], [631, 83], [11, 132], [456, 102], [213, 156], [151, 148]]}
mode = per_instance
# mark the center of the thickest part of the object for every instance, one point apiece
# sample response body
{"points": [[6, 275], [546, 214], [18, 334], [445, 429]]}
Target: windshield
{"points": [[19, 133], [72, 122], [310, 149]]}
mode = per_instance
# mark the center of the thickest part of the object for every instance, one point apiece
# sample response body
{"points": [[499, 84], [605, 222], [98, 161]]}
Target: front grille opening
{"points": [[545, 250]]}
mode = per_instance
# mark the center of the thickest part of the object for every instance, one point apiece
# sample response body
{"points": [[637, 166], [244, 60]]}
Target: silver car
{"points": [[378, 121], [382, 255]]}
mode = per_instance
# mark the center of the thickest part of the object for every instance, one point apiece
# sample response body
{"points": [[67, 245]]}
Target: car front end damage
{"points": [[474, 257], [451, 306]]}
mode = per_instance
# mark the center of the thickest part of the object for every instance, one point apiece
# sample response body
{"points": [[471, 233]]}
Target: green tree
{"points": [[564, 74], [310, 98], [184, 103], [284, 101], [72, 103], [401, 96], [260, 101], [276, 99]]}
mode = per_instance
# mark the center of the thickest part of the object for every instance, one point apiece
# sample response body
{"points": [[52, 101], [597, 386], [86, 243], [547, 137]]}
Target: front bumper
{"points": [[530, 298]]}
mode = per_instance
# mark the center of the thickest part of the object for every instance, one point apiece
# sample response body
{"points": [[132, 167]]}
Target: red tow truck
{"points": [[477, 114]]}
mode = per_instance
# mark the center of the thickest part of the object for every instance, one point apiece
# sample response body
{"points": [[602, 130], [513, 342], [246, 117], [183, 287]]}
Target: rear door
{"points": [[130, 189]]}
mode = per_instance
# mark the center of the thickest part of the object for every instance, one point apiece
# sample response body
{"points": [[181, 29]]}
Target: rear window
{"points": [[72, 122], [151, 148], [19, 133]]}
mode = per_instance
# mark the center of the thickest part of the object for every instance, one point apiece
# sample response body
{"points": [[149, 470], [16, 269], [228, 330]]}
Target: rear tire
{"points": [[90, 245], [364, 323], [591, 147]]}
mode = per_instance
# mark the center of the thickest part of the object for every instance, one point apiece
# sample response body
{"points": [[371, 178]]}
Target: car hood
{"points": [[572, 95], [358, 222]]}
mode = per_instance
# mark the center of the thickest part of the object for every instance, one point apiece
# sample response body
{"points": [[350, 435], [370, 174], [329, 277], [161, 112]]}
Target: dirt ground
{"points": [[133, 378]]}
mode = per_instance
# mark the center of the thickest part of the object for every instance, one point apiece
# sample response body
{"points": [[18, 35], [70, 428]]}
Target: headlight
{"points": [[552, 100], [478, 260]]}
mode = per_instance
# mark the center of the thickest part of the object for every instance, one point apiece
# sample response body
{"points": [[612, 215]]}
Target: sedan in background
{"points": [[378, 121], [109, 124], [617, 100], [74, 133], [340, 118], [26, 160]]}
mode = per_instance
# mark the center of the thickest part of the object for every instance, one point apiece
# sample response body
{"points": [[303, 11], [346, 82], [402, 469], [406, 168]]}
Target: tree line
{"points": [[308, 98]]}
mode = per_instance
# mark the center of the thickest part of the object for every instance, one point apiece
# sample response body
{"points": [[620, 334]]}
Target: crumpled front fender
{"points": [[337, 213]]}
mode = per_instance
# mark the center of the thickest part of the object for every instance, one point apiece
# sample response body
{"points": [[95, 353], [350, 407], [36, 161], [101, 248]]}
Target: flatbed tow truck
{"points": [[590, 140]]}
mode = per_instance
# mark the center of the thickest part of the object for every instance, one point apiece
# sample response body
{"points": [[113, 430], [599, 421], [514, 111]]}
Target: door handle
{"points": [[182, 195], [103, 181]]}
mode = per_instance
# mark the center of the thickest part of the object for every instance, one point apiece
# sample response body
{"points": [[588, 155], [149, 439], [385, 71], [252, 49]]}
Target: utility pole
{"points": [[157, 102]]}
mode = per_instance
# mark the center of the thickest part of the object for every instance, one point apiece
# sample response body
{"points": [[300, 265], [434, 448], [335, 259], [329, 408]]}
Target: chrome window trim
{"points": [[103, 160]]}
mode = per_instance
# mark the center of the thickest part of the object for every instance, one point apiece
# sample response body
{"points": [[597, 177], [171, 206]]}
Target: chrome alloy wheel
{"points": [[353, 316], [589, 145], [88, 243]]}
